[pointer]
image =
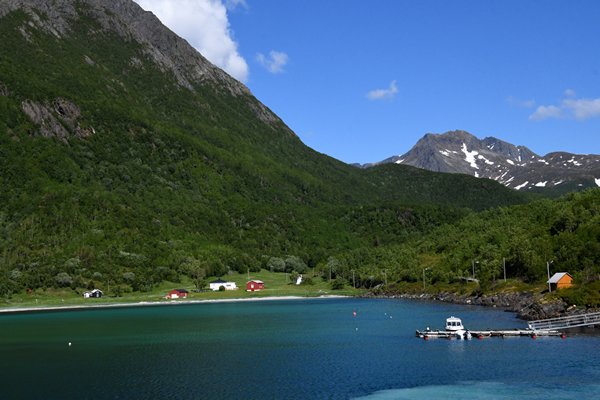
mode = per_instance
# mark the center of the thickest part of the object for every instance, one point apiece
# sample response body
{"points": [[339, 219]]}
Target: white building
{"points": [[216, 285]]}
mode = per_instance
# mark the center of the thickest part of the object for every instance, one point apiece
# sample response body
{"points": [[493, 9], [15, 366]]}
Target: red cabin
{"points": [[177, 294], [253, 286]]}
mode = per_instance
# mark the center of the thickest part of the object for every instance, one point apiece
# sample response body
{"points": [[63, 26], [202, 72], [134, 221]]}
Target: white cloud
{"points": [[570, 107], [583, 108], [274, 63], [515, 102], [205, 25], [381, 94], [544, 112], [233, 4]]}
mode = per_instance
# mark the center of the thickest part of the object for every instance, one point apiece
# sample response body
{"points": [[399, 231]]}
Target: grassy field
{"points": [[276, 284]]}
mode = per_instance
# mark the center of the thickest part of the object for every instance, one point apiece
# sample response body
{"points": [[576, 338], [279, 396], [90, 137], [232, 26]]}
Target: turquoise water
{"points": [[291, 349]]}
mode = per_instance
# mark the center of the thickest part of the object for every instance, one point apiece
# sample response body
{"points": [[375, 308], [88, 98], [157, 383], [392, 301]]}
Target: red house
{"points": [[177, 294], [253, 286]]}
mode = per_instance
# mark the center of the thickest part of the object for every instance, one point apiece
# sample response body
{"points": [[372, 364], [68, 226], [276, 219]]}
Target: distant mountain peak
{"points": [[514, 166]]}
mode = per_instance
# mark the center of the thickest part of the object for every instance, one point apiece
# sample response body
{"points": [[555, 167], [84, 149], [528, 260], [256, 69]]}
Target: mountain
{"points": [[516, 167], [127, 157]]}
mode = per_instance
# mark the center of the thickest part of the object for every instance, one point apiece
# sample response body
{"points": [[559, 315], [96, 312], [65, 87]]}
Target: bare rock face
{"points": [[58, 120], [129, 21], [516, 167]]}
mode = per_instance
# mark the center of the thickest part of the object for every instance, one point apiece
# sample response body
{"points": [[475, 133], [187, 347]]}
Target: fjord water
{"points": [[289, 349]]}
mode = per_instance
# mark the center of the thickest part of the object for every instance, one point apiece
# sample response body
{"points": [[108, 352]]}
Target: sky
{"points": [[364, 80]]}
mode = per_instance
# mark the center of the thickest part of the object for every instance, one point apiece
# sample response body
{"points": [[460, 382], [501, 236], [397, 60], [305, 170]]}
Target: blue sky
{"points": [[364, 80]]}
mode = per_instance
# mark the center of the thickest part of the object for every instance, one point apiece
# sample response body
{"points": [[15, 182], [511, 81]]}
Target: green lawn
{"points": [[276, 284]]}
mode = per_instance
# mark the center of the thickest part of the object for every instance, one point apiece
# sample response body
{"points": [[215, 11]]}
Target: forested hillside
{"points": [[564, 233], [125, 157]]}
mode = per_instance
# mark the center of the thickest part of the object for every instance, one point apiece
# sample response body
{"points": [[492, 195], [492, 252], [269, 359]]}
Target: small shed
{"points": [[254, 285], [560, 280], [227, 285], [96, 293], [177, 294]]}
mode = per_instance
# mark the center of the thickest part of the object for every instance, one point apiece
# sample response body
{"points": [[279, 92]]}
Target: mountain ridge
{"points": [[516, 167]]}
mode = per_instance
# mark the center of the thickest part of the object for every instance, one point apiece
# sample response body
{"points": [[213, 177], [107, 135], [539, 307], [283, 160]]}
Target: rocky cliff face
{"points": [[516, 167], [130, 22]]}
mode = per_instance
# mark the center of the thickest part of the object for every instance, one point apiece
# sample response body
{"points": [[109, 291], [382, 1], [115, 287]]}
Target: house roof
{"points": [[180, 290], [255, 281], [558, 276], [219, 281]]}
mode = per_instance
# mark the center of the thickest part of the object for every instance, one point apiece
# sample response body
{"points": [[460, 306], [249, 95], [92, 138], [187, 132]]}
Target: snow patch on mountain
{"points": [[521, 186], [488, 162], [470, 156]]}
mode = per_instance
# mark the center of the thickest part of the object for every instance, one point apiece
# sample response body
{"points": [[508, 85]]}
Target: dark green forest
{"points": [[154, 181]]}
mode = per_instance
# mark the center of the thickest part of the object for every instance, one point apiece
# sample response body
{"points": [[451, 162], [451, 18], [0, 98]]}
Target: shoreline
{"points": [[526, 305], [34, 309]]}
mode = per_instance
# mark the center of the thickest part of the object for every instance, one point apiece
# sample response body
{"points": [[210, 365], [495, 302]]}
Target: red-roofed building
{"points": [[253, 286], [177, 294]]}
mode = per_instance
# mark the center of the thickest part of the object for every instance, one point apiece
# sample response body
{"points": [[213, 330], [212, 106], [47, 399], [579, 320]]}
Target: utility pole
{"points": [[473, 262], [548, 268]]}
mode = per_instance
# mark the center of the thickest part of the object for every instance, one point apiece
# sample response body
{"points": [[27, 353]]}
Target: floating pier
{"points": [[438, 334], [455, 330]]}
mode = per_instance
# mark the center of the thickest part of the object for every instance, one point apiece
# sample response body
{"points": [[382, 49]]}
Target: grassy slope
{"points": [[276, 284]]}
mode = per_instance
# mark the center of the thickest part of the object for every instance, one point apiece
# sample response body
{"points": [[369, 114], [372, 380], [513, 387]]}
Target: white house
{"points": [[216, 285]]}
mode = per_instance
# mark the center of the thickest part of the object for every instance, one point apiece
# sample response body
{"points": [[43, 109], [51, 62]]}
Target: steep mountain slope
{"points": [[516, 167], [123, 150]]}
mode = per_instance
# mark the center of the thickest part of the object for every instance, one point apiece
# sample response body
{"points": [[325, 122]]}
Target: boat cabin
{"points": [[454, 324]]}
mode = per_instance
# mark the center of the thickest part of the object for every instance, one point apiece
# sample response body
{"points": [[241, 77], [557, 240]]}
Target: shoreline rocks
{"points": [[527, 305]]}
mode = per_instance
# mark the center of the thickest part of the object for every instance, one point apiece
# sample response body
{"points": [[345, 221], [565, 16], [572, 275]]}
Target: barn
{"points": [[560, 280], [254, 286], [177, 294]]}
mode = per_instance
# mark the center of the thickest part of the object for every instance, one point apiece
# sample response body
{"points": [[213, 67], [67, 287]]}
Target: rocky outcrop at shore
{"points": [[528, 305]]}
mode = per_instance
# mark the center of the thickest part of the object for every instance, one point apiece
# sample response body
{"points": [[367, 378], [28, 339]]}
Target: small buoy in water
{"points": [[69, 344], [480, 337], [425, 337], [354, 313], [563, 336], [356, 329], [533, 336]]}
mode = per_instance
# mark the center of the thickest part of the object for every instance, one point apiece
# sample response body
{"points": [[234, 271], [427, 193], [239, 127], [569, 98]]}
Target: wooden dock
{"points": [[476, 334]]}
